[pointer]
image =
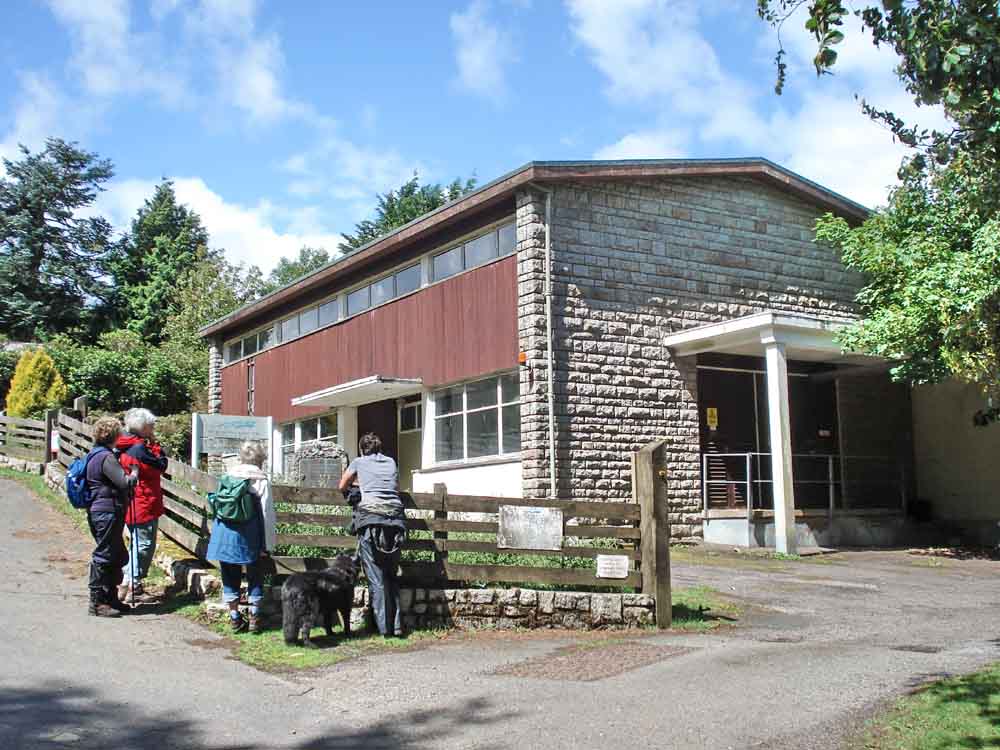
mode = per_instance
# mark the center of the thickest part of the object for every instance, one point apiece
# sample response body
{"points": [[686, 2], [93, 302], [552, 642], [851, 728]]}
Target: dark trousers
{"points": [[383, 585], [110, 554]]}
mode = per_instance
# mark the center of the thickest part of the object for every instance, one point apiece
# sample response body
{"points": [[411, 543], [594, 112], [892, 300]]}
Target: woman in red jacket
{"points": [[137, 448]]}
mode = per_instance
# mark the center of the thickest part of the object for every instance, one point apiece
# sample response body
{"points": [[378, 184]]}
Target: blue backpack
{"points": [[76, 480]]}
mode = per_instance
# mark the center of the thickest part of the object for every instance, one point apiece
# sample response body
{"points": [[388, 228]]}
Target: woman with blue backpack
{"points": [[107, 493], [243, 533]]}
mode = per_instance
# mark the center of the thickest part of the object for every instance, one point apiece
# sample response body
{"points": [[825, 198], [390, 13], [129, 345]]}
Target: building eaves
{"points": [[541, 171]]}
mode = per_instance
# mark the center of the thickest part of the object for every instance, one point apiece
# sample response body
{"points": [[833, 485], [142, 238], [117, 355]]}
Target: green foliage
{"points": [[174, 433], [123, 371], [36, 385], [401, 206], [166, 238], [948, 53], [8, 361], [289, 269], [52, 259], [931, 258], [932, 264]]}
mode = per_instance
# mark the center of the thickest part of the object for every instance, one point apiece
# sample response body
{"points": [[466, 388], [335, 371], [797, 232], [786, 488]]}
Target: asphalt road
{"points": [[821, 647]]}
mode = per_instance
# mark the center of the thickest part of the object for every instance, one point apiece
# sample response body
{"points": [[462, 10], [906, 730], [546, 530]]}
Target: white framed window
{"points": [[411, 414], [303, 432], [474, 252], [478, 419]]}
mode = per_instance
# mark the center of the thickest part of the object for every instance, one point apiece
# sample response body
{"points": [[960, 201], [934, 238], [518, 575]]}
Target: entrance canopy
{"points": [[804, 338], [362, 391]]}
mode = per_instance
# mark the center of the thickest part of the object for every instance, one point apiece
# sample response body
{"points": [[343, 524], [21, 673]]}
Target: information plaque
{"points": [[612, 566], [527, 527]]}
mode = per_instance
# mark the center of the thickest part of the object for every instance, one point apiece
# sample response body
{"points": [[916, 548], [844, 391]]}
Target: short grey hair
{"points": [[253, 452], [136, 419]]}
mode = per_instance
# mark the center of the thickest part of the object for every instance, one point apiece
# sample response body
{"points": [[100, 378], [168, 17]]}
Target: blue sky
{"points": [[280, 121]]}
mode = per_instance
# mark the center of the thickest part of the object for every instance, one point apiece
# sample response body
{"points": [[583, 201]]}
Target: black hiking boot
{"points": [[238, 624], [98, 608], [112, 600]]}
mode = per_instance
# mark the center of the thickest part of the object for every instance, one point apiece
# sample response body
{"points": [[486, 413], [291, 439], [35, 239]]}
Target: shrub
{"points": [[8, 361], [36, 385], [174, 433]]}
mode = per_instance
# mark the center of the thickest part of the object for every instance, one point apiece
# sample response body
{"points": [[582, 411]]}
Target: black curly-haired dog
{"points": [[305, 596]]}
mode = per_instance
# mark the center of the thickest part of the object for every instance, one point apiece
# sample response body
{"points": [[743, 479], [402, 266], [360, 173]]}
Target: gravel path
{"points": [[821, 647]]}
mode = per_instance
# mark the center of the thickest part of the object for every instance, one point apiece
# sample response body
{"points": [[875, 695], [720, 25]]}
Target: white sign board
{"points": [[612, 566], [524, 527], [222, 433]]}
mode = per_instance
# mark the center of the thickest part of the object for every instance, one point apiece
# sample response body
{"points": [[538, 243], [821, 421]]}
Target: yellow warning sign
{"points": [[712, 417]]}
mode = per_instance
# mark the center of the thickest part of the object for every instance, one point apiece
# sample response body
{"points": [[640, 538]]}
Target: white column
{"points": [[781, 446], [427, 436], [347, 429]]}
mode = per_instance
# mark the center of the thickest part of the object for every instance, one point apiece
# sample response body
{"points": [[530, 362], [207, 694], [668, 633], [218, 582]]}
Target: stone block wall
{"points": [[429, 608], [632, 262]]}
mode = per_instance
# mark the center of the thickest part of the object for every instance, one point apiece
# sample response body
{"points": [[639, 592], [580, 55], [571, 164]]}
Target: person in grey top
{"points": [[380, 523]]}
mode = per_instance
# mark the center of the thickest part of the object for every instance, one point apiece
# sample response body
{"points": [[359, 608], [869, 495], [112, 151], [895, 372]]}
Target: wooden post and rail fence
{"points": [[453, 538]]}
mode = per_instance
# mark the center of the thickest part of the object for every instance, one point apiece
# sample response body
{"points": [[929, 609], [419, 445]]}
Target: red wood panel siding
{"points": [[455, 330]]}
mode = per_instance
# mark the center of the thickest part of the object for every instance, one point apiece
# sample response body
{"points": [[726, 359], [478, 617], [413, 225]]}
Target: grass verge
{"points": [[268, 651], [953, 713], [702, 608]]}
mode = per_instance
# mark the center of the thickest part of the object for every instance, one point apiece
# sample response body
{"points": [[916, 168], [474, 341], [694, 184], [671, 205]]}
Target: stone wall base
{"points": [[20, 464]]}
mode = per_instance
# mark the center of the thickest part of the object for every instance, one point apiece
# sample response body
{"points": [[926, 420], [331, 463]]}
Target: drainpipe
{"points": [[550, 357]]}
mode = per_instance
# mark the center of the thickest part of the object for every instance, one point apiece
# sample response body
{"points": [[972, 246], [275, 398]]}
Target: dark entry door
{"points": [[728, 425], [380, 417]]}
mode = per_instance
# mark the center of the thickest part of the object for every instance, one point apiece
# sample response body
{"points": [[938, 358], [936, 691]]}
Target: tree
{"points": [[931, 257], [401, 206], [289, 269], [165, 239], [52, 256], [36, 385]]}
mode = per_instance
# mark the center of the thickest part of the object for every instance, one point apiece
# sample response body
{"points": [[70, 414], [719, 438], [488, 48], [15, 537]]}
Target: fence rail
{"points": [[24, 438], [453, 537]]}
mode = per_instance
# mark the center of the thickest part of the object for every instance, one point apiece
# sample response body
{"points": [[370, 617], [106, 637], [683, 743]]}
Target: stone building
{"points": [[669, 299]]}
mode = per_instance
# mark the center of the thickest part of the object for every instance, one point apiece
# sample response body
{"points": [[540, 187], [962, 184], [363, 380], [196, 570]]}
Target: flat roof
{"points": [[504, 187]]}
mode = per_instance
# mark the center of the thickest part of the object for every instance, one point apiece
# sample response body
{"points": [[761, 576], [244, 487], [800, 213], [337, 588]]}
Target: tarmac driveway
{"points": [[822, 645]]}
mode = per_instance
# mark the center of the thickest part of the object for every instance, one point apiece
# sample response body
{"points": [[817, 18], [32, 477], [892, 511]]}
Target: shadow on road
{"points": [[52, 715]]}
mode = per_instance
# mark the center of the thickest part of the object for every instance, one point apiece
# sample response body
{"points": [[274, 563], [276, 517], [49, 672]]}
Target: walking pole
{"points": [[134, 552]]}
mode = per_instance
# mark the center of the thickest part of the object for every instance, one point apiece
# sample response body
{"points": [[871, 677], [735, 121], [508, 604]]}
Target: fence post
{"points": [[80, 404], [441, 514], [51, 417], [649, 490]]}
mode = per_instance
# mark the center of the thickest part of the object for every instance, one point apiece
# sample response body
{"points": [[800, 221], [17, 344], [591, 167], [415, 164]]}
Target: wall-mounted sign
{"points": [[222, 433], [524, 527], [712, 417], [612, 566]]}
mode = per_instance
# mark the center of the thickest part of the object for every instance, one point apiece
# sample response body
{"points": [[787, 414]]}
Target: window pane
{"points": [[448, 401], [234, 351], [508, 238], [511, 387], [328, 426], [481, 250], [410, 417], [266, 338], [358, 301], [483, 437], [448, 438], [448, 264], [329, 313], [308, 429], [408, 280], [481, 393], [309, 320], [290, 328], [512, 428], [288, 434], [250, 345], [382, 291]]}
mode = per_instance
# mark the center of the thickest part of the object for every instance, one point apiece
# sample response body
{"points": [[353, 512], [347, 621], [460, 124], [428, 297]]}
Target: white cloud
{"points": [[482, 51], [649, 144], [655, 55], [36, 116], [110, 56], [250, 234]]}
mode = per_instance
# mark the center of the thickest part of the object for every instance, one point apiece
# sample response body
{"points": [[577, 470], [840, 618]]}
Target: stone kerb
{"points": [[20, 464]]}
